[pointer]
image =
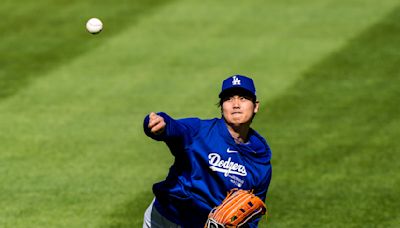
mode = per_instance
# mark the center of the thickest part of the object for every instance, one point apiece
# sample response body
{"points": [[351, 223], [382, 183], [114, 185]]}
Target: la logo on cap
{"points": [[235, 81]]}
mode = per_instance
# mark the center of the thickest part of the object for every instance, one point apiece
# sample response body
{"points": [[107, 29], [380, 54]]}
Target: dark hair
{"points": [[233, 92]]}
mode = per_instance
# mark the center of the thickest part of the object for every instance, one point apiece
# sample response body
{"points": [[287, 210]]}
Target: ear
{"points": [[256, 106]]}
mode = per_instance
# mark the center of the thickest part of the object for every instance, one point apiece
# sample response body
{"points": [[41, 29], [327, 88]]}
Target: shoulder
{"points": [[255, 136], [260, 145]]}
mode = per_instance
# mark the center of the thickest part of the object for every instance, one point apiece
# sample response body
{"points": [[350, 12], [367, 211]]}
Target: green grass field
{"points": [[72, 150]]}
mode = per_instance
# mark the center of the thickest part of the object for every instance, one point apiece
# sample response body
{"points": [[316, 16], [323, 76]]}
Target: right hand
{"points": [[156, 123]]}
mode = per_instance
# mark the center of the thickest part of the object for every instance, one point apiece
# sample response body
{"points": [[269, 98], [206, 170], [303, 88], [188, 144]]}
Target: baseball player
{"points": [[212, 157]]}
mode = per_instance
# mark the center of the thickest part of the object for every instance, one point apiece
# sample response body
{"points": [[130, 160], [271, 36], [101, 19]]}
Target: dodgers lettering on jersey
{"points": [[227, 167], [208, 163]]}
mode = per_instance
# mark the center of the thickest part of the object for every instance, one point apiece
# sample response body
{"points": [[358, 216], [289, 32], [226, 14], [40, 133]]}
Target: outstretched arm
{"points": [[162, 127], [176, 133]]}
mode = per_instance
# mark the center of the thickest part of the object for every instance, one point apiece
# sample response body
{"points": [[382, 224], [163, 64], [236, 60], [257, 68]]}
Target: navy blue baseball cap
{"points": [[237, 83]]}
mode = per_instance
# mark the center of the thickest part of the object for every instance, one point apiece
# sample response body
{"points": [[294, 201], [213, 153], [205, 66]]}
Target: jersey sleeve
{"points": [[174, 129], [261, 192]]}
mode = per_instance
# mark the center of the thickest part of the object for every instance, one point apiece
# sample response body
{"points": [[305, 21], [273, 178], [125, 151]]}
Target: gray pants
{"points": [[153, 219]]}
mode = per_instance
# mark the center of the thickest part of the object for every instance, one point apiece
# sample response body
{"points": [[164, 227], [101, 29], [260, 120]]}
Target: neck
{"points": [[239, 133]]}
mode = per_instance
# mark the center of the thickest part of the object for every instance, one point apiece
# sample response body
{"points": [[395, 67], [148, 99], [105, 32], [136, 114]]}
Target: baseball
{"points": [[94, 25]]}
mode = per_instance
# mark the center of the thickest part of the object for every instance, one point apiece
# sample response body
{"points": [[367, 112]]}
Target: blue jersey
{"points": [[208, 163]]}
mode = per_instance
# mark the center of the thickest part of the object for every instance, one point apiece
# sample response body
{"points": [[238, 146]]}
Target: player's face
{"points": [[239, 109]]}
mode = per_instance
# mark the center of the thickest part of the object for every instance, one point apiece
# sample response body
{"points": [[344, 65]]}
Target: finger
{"points": [[152, 115], [153, 123], [153, 119], [156, 120], [158, 128]]}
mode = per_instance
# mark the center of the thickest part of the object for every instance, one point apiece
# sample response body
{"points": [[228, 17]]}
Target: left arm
{"points": [[261, 191]]}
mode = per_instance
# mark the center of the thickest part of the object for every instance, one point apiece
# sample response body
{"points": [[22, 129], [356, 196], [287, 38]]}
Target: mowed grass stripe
{"points": [[39, 36], [334, 135]]}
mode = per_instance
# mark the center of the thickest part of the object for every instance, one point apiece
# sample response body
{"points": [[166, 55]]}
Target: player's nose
{"points": [[236, 102]]}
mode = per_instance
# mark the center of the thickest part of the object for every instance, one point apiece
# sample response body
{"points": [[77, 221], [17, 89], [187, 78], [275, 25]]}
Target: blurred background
{"points": [[72, 149]]}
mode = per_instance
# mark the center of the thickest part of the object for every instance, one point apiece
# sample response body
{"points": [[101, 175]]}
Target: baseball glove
{"points": [[238, 208]]}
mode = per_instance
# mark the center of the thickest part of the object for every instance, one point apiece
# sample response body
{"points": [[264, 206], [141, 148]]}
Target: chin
{"points": [[236, 122]]}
